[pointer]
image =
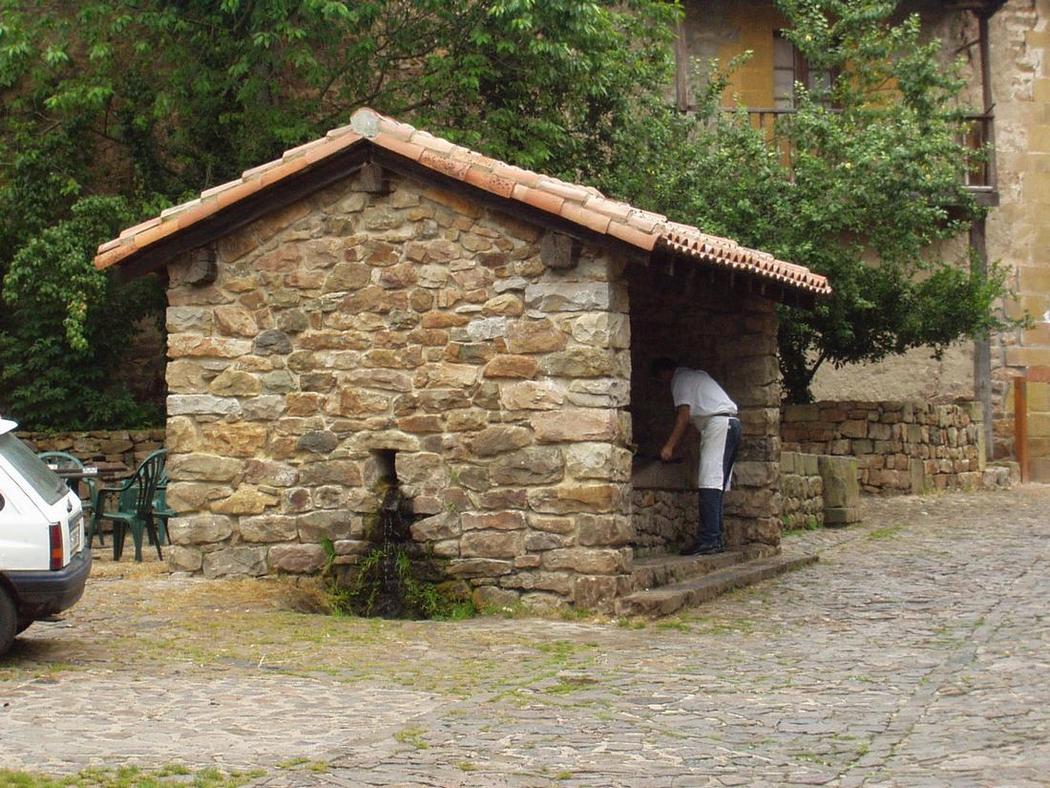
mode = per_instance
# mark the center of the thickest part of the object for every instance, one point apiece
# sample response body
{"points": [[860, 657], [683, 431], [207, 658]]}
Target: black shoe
{"points": [[702, 549]]}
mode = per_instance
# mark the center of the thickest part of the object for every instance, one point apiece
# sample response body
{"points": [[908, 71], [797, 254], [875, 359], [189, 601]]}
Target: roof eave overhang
{"points": [[240, 213], [327, 171]]}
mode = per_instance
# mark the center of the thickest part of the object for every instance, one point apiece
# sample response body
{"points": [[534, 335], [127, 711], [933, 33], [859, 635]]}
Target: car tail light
{"points": [[57, 553]]}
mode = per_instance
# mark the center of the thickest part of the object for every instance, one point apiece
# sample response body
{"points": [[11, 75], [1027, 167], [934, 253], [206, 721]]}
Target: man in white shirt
{"points": [[700, 401]]}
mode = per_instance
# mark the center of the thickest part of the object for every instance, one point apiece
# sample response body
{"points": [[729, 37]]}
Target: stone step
{"points": [[663, 569], [665, 600]]}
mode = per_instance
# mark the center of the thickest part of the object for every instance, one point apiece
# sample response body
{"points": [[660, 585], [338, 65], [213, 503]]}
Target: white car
{"points": [[44, 562]]}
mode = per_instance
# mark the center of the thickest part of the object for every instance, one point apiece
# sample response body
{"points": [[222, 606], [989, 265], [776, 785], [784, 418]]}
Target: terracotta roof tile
{"points": [[569, 191], [141, 227], [194, 214], [110, 256], [632, 235], [239, 192], [454, 168], [592, 220], [341, 131], [645, 221], [178, 208], [517, 174], [537, 198], [582, 205], [429, 141], [214, 190], [490, 181], [611, 208], [259, 170], [303, 149], [155, 233], [283, 170], [400, 146]]}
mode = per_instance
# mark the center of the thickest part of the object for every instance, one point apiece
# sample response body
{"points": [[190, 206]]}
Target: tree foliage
{"points": [[862, 183], [153, 100], [111, 109]]}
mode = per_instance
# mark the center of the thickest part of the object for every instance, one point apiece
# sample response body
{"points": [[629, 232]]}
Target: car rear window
{"points": [[30, 467]]}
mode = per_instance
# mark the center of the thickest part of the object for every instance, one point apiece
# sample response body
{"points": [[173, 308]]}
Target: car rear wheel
{"points": [[8, 621]]}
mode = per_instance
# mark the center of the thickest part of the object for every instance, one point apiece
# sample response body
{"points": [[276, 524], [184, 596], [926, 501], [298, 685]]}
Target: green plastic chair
{"points": [[90, 506], [161, 511], [134, 512]]}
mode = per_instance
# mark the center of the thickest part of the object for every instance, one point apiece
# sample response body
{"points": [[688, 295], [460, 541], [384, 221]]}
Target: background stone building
{"points": [[1004, 44], [381, 304]]}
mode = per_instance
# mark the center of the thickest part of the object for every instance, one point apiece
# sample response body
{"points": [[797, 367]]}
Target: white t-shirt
{"points": [[698, 390]]}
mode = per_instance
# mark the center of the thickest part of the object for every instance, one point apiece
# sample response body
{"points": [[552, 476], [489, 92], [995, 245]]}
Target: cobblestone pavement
{"points": [[914, 653]]}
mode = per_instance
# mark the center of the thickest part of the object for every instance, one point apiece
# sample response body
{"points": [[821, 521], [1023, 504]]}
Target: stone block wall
{"points": [[901, 447], [803, 490], [732, 335], [664, 518], [356, 330], [129, 447]]}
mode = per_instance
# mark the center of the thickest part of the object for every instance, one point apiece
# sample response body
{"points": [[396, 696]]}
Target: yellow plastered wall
{"points": [[724, 29], [752, 84]]}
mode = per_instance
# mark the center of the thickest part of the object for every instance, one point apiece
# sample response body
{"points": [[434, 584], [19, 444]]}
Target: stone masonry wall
{"points": [[353, 327], [701, 323], [129, 447], [663, 518], [901, 447], [803, 489]]}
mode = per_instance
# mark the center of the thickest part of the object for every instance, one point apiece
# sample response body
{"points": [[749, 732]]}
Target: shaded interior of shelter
{"points": [[703, 319]]}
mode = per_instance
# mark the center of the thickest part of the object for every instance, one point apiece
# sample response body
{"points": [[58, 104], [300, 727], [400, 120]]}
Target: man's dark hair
{"points": [[661, 365]]}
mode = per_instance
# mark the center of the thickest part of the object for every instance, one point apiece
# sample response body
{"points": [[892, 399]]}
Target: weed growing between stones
{"points": [[789, 525], [394, 579], [888, 532], [132, 777]]}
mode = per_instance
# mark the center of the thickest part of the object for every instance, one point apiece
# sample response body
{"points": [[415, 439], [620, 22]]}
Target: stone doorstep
{"points": [[671, 598], [664, 570]]}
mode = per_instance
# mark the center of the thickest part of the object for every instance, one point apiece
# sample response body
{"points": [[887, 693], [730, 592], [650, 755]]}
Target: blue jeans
{"points": [[711, 499]]}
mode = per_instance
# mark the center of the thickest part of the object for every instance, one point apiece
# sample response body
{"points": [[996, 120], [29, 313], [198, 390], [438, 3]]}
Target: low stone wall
{"points": [[127, 446], [901, 447], [663, 519], [802, 489]]}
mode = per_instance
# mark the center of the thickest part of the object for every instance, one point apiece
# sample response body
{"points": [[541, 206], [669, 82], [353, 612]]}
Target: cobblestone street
{"points": [[914, 653]]}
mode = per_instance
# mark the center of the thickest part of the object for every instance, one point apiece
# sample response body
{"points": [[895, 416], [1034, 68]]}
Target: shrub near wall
{"points": [[901, 447]]}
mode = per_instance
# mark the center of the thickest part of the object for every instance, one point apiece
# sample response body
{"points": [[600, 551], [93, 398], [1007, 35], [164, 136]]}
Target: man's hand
{"points": [[681, 421]]}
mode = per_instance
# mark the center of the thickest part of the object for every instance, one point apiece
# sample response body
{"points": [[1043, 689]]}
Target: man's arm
{"points": [[681, 422]]}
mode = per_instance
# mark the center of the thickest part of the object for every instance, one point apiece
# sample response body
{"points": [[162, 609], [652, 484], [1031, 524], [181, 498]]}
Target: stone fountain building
{"points": [[382, 304]]}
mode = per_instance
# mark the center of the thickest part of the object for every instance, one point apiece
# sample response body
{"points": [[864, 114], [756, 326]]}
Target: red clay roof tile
{"points": [[611, 208], [141, 227], [454, 168], [537, 198], [581, 205], [592, 220], [632, 235], [489, 181], [402, 147]]}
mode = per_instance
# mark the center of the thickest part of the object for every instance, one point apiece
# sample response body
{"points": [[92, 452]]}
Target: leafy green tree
{"points": [[153, 100], [43, 387], [869, 193]]}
